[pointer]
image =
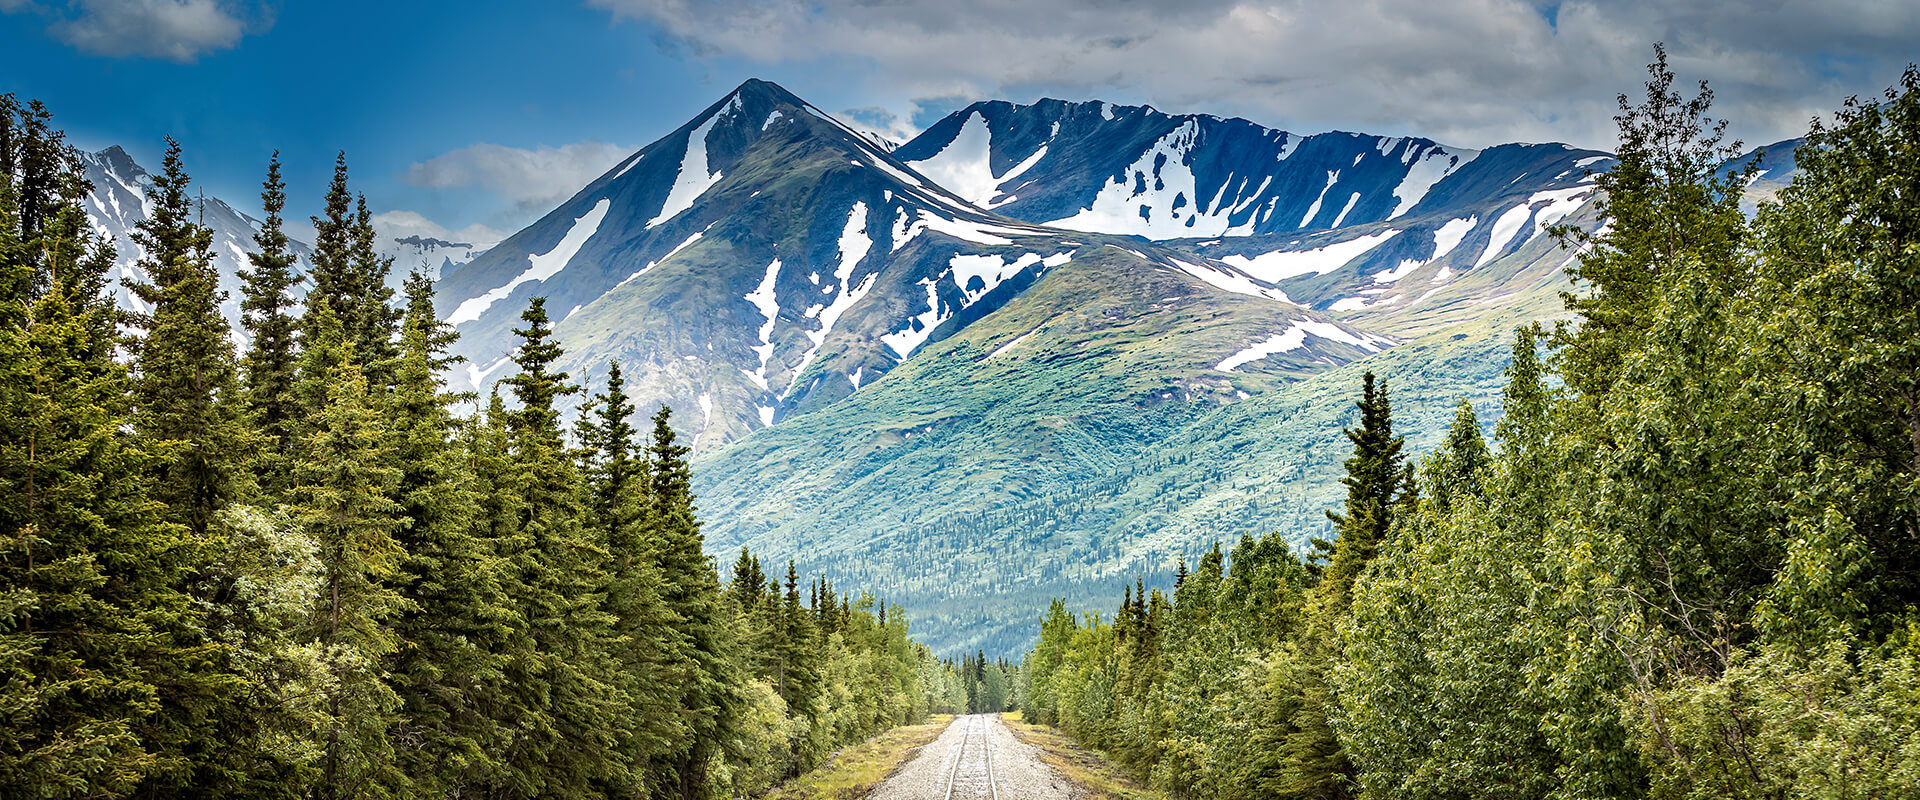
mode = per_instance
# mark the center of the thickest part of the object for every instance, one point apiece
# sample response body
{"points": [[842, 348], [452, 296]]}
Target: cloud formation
{"points": [[1469, 72], [532, 181], [170, 30]]}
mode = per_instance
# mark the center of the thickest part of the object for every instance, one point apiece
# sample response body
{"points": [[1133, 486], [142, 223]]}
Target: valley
{"points": [[1035, 351]]}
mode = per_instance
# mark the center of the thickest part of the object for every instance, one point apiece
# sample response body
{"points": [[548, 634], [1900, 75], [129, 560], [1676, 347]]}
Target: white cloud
{"points": [[171, 30], [1469, 72], [532, 180]]}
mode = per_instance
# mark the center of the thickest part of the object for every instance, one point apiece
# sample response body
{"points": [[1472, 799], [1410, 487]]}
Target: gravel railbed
{"points": [[1018, 772]]}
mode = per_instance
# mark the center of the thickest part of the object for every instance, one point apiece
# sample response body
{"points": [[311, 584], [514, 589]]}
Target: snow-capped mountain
{"points": [[432, 255], [119, 203], [1133, 170], [765, 259]]}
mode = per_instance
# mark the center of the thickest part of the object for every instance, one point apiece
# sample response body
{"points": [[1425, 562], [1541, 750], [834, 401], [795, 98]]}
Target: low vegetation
{"points": [[854, 771]]}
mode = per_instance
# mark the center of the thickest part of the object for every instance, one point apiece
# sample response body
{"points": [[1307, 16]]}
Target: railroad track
{"points": [[970, 776]]}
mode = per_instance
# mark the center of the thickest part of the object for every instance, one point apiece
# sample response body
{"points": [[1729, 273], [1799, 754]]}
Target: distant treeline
{"points": [[292, 572], [1687, 567]]}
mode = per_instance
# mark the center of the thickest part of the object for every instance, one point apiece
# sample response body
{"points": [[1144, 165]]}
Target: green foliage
{"points": [[420, 605], [1677, 577], [96, 633], [269, 364], [186, 394]]}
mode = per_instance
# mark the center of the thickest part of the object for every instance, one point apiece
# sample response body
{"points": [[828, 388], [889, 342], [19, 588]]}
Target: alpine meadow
{"points": [[950, 446]]}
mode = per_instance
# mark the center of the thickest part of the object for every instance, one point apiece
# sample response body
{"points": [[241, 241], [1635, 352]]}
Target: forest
{"points": [[291, 570], [1686, 566]]}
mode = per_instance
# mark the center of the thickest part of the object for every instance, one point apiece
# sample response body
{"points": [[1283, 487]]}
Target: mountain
{"points": [[897, 371], [119, 202], [764, 260], [429, 254], [1133, 170]]}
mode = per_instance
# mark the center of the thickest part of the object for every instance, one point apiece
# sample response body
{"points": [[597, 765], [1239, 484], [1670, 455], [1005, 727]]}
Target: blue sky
{"points": [[486, 112]]}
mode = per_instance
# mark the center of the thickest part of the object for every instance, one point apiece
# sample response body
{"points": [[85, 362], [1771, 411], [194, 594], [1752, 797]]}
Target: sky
{"points": [[470, 119]]}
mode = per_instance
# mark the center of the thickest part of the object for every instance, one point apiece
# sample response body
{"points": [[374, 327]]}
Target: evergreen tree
{"points": [[1377, 484], [335, 284], [566, 742], [342, 493], [270, 363], [1459, 467], [95, 632], [691, 590], [186, 395], [375, 324], [457, 622]]}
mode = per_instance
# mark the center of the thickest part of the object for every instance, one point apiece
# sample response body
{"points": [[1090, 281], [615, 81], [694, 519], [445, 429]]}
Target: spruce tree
{"points": [[342, 496], [97, 638], [335, 284], [1459, 467], [456, 623], [186, 394], [568, 743], [270, 363], [691, 590], [1377, 488], [376, 323]]}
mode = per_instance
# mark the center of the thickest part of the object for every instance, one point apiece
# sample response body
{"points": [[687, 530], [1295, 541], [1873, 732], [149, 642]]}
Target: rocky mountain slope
{"points": [[764, 261], [955, 367]]}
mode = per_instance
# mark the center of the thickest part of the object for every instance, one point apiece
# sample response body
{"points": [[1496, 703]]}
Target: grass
{"points": [[1102, 779], [856, 770]]}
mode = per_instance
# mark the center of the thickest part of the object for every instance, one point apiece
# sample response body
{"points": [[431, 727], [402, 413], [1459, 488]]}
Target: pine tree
{"points": [[691, 590], [186, 394], [269, 365], [566, 743], [457, 621], [342, 496], [96, 636]]}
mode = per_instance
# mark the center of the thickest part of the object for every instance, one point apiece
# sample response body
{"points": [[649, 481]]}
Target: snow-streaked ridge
{"points": [[541, 265], [1295, 337]]}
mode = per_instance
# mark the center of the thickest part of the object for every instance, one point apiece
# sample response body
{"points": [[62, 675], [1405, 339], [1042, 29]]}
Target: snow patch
{"points": [[1002, 349], [693, 180], [1449, 236], [1504, 230], [1231, 282], [1155, 197], [763, 300], [1295, 337], [1349, 207], [1314, 210], [963, 165], [855, 244], [543, 265], [1281, 265], [1560, 203], [1435, 165]]}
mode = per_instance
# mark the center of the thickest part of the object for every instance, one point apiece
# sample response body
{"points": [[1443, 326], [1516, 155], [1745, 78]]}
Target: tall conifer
{"points": [[270, 363], [186, 393]]}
